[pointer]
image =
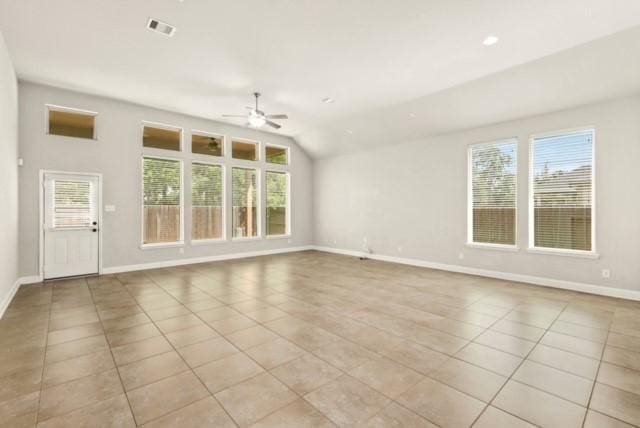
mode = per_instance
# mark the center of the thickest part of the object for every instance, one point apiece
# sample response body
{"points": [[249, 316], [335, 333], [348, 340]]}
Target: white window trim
{"points": [[257, 143], [279, 146], [259, 194], [287, 233], [209, 134], [485, 245], [223, 238], [161, 126], [54, 107], [531, 248], [180, 242]]}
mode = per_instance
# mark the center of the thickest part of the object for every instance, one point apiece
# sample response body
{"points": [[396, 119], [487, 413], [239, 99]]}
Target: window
{"points": [[162, 200], [207, 144], [207, 197], [561, 204], [277, 203], [245, 202], [161, 137], [69, 122], [72, 204], [246, 150], [275, 154], [492, 207]]}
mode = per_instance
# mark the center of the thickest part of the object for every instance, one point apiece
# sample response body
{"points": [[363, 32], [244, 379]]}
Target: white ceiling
{"points": [[380, 60]]}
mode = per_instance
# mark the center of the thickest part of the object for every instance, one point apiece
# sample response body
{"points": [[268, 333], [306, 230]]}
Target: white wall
{"points": [[409, 200], [117, 155], [8, 177]]}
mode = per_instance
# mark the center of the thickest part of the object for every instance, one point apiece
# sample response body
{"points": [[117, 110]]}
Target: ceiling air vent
{"points": [[161, 27]]}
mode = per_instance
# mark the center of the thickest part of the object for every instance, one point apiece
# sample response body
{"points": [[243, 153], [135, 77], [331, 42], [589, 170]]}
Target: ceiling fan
{"points": [[256, 117]]}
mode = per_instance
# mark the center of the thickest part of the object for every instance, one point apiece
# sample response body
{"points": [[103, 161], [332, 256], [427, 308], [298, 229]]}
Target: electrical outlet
{"points": [[606, 273], [461, 255]]}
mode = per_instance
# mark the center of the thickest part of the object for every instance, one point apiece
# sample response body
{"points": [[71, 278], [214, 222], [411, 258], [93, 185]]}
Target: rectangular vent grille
{"points": [[161, 27]]}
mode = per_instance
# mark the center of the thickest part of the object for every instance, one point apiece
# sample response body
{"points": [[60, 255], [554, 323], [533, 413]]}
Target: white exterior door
{"points": [[71, 229]]}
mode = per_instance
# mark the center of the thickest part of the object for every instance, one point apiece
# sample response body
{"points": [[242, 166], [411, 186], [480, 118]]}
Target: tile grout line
{"points": [[595, 380], [516, 370]]}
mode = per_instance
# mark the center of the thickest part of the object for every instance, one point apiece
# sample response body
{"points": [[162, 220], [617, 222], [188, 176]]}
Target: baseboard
{"points": [[193, 260], [9, 297], [546, 282]]}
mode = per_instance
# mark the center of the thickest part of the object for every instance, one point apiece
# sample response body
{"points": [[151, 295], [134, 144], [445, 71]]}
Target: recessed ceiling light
{"points": [[412, 115], [348, 131], [490, 40], [328, 100], [161, 27]]}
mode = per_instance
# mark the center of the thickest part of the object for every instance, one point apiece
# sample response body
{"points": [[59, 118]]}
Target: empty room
{"points": [[296, 214]]}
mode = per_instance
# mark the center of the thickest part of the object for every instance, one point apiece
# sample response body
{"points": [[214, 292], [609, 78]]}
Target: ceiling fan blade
{"points": [[273, 124], [277, 116], [234, 115]]}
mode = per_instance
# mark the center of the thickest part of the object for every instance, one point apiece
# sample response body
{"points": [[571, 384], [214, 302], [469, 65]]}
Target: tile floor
{"points": [[315, 340]]}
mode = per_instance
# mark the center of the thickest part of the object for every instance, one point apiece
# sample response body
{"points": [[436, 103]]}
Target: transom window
{"points": [[161, 137], [245, 150], [68, 122], [207, 144], [277, 155]]}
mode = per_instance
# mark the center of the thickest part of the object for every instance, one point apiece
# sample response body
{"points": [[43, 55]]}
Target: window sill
{"points": [[246, 239], [197, 242], [287, 236], [162, 245], [564, 253], [496, 247]]}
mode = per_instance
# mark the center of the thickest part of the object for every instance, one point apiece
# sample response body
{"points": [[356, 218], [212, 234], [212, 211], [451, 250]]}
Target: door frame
{"points": [[41, 183]]}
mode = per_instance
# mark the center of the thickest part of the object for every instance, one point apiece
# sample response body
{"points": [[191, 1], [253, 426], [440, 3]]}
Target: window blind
{"points": [[277, 202], [206, 201], [72, 205], [245, 201], [562, 174], [493, 199], [162, 186]]}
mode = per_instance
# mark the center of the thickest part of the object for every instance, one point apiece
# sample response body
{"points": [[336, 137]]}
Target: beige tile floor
{"points": [[315, 340]]}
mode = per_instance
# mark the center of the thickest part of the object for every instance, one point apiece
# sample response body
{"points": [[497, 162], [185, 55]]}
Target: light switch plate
{"points": [[109, 208]]}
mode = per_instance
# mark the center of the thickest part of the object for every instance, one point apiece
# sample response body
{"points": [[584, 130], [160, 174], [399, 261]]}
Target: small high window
{"points": [[161, 137], [69, 122], [246, 150], [275, 154], [207, 144]]}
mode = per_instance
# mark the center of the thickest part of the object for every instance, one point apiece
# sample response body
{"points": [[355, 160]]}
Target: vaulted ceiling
{"points": [[397, 70]]}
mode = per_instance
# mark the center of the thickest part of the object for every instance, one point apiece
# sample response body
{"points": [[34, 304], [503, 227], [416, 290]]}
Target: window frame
{"points": [[156, 245], [531, 248], [223, 238], [287, 233], [259, 195], [165, 127], [487, 245], [49, 107], [279, 146], [257, 144], [209, 134]]}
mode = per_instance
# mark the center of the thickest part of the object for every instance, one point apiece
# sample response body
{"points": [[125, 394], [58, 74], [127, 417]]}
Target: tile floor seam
{"points": [[124, 391], [44, 359], [595, 380], [509, 378], [192, 372]]}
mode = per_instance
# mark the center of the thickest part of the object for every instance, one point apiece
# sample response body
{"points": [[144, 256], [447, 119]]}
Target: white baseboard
{"points": [[30, 279], [546, 282], [193, 260], [9, 297]]}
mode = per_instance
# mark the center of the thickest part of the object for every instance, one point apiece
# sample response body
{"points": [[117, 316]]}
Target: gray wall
{"points": [[8, 175], [410, 200], [117, 155]]}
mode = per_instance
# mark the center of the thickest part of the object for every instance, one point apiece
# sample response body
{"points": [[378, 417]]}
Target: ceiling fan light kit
{"points": [[256, 117]]}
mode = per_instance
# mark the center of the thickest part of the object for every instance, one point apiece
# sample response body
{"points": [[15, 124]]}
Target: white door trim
{"points": [[42, 174]]}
